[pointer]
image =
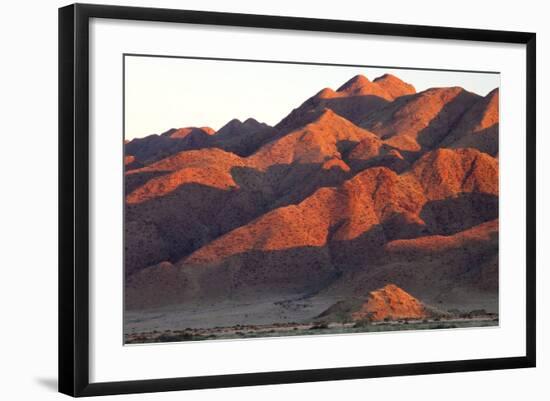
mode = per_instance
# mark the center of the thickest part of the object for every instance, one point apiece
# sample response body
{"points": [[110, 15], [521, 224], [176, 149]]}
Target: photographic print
{"points": [[268, 199]]}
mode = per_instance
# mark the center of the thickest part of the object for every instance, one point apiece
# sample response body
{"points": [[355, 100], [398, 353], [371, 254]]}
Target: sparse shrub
{"points": [[165, 338]]}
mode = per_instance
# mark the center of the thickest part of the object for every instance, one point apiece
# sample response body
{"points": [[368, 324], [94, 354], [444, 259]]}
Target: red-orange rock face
{"points": [[354, 100], [358, 187], [390, 303]]}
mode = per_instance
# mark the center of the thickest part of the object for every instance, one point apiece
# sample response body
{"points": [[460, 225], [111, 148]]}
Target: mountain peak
{"points": [[236, 124], [329, 119], [325, 135], [187, 131], [208, 130], [355, 84], [325, 93], [251, 121], [231, 123], [491, 112], [387, 78], [491, 107], [494, 93], [394, 86]]}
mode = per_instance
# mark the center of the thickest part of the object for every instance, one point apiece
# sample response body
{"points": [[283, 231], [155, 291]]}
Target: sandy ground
{"points": [[303, 329], [268, 312], [226, 314]]}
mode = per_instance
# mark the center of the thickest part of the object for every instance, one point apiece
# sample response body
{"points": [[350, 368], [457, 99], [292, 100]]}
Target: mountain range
{"points": [[369, 185]]}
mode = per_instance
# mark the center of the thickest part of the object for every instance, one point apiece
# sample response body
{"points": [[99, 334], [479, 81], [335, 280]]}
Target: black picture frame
{"points": [[74, 198]]}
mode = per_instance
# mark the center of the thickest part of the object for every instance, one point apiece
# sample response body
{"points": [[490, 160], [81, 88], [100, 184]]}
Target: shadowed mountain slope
{"points": [[478, 127], [354, 100], [326, 137], [357, 188], [156, 147], [282, 172], [243, 138], [456, 271], [338, 229], [421, 121], [209, 167]]}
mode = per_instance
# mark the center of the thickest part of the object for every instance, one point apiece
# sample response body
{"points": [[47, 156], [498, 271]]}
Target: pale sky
{"points": [[163, 93]]}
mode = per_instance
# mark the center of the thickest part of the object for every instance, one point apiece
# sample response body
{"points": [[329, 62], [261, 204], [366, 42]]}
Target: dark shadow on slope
{"points": [[444, 122], [286, 184], [355, 108], [465, 276], [387, 156], [451, 215], [243, 143], [429, 137], [171, 226], [136, 179], [485, 140], [385, 113], [254, 274], [345, 147], [352, 108], [157, 147], [346, 268], [241, 139]]}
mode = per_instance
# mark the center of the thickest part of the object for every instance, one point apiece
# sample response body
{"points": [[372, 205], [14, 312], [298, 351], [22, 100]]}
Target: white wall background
{"points": [[28, 199]]}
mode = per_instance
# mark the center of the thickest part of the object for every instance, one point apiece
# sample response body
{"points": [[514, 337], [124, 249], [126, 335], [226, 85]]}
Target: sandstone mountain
{"points": [[241, 188], [387, 303], [156, 147], [478, 127], [457, 271], [353, 100], [327, 136], [299, 248], [178, 204], [357, 188], [243, 138], [421, 121]]}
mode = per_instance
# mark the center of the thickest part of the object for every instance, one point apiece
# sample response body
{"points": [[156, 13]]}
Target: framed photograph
{"points": [[250, 199]]}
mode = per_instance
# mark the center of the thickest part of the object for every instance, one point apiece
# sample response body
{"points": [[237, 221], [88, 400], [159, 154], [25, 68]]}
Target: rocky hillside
{"points": [[369, 184], [387, 303]]}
